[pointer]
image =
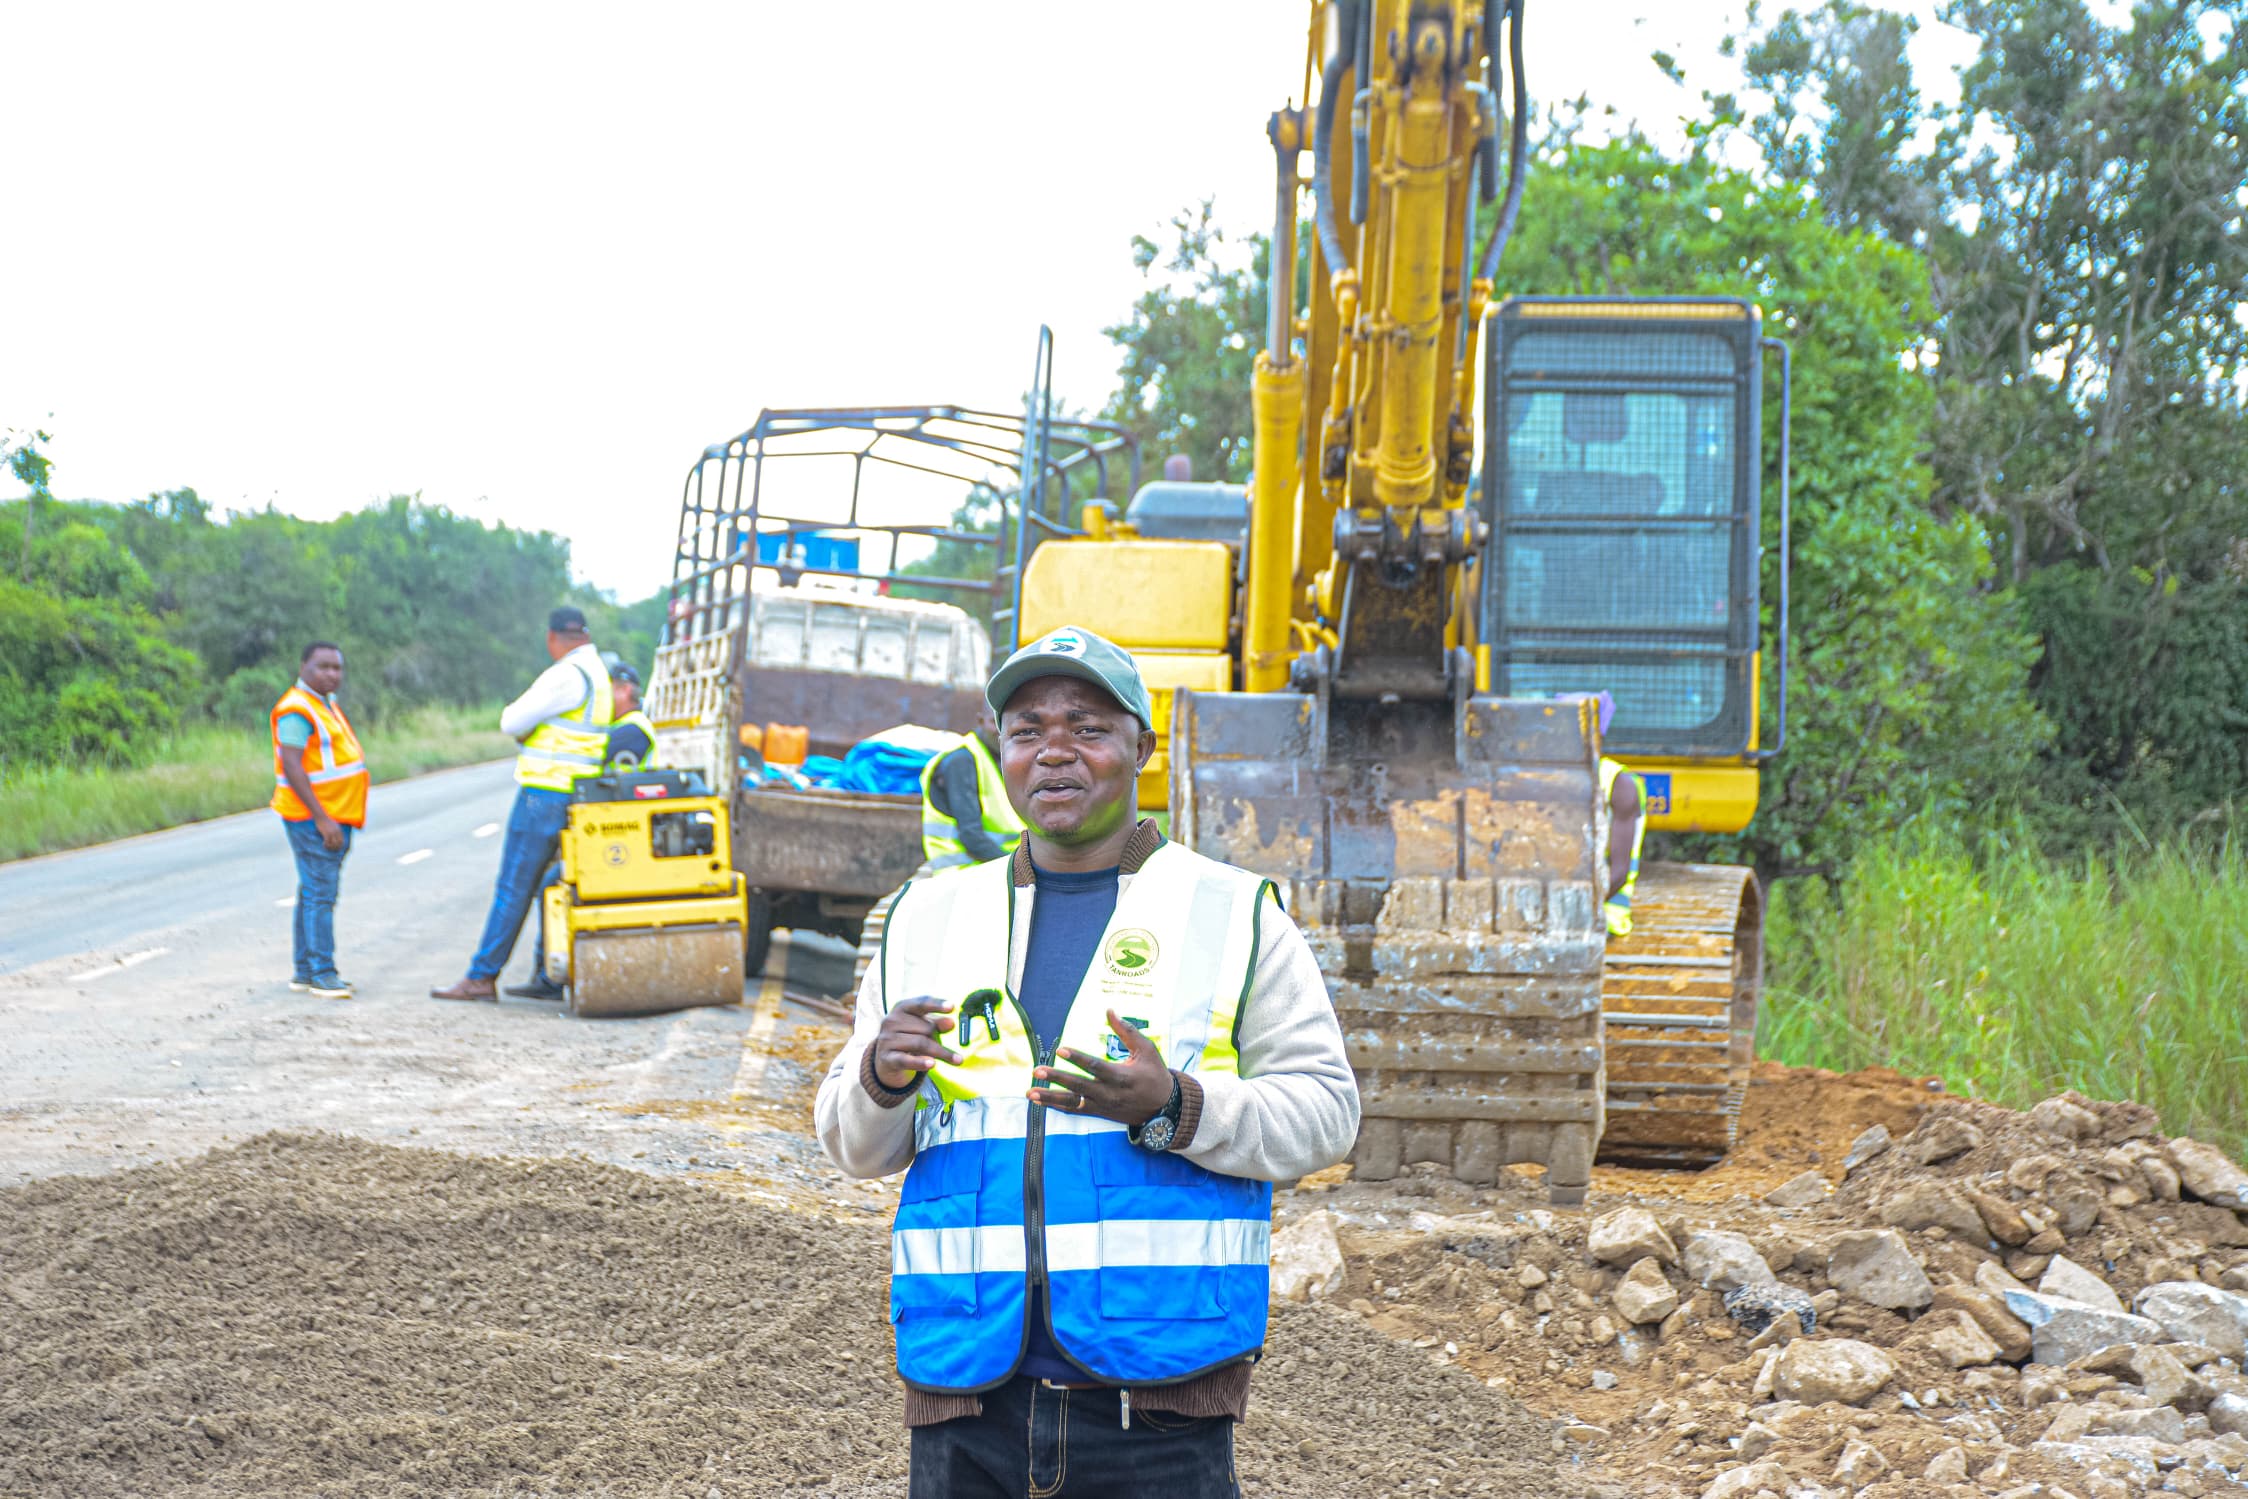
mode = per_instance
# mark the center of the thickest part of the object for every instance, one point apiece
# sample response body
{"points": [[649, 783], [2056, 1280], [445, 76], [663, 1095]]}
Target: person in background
{"points": [[632, 735], [632, 746], [965, 815], [320, 789], [1624, 798], [562, 722], [1092, 1060]]}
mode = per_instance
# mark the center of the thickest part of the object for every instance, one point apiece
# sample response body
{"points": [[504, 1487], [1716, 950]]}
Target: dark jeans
{"points": [[1036, 1442], [319, 872], [534, 827]]}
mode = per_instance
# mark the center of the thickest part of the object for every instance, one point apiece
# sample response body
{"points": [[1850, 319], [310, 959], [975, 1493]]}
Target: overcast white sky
{"points": [[529, 260]]}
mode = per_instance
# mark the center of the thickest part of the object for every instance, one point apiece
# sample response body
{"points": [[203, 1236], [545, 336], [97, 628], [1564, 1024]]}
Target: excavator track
{"points": [[1678, 1006]]}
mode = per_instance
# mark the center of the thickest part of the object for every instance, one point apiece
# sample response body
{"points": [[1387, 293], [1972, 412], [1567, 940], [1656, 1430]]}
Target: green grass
{"points": [[210, 772], [2011, 976]]}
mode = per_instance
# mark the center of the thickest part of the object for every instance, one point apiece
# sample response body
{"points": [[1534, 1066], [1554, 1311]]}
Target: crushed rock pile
{"points": [[1961, 1300], [315, 1316]]}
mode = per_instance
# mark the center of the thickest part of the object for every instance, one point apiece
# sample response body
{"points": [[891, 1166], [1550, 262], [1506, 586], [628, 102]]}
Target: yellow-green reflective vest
{"points": [[1618, 906], [636, 720], [940, 833], [1156, 1269], [567, 748]]}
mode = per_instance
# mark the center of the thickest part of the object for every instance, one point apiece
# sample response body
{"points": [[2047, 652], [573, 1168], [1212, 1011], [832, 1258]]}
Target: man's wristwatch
{"points": [[1155, 1134]]}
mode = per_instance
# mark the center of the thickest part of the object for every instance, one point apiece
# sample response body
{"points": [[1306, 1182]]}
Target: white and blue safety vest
{"points": [[1156, 1269]]}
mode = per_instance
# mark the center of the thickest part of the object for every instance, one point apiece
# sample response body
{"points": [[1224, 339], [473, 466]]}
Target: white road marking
{"points": [[416, 856], [130, 960], [486, 831], [286, 901]]}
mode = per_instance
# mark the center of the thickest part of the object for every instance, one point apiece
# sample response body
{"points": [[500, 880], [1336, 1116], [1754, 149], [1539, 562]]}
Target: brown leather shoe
{"points": [[483, 989]]}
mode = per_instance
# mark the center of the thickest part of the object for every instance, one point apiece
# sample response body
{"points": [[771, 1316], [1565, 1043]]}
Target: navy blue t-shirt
{"points": [[1066, 922]]}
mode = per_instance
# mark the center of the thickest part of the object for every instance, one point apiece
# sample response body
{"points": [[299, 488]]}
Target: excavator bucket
{"points": [[1439, 855]]}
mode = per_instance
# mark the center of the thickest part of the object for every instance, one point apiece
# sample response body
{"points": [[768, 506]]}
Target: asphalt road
{"points": [[144, 996]]}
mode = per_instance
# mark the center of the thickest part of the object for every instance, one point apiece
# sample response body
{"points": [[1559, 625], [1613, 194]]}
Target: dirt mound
{"points": [[1793, 1118], [310, 1315]]}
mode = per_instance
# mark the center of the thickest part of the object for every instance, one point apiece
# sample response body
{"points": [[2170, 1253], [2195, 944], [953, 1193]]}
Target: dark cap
{"points": [[566, 621], [619, 669], [1073, 652]]}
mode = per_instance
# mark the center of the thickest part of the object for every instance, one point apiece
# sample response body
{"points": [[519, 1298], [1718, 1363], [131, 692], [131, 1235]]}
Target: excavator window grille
{"points": [[1622, 497]]}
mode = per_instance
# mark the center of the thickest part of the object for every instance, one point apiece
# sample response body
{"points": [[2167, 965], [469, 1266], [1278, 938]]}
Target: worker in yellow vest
{"points": [[632, 734], [965, 815], [320, 790], [562, 722], [1624, 801], [632, 746]]}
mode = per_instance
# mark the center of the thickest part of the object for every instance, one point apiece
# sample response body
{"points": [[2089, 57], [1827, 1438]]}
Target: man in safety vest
{"points": [[562, 722], [632, 734], [1092, 1059], [1621, 795], [320, 790], [631, 746], [965, 815]]}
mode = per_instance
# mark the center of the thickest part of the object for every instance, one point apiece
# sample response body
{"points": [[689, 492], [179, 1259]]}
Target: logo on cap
{"points": [[1063, 645]]}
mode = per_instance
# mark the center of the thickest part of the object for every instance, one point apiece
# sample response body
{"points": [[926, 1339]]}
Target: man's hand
{"points": [[331, 832], [1131, 1092], [906, 1045]]}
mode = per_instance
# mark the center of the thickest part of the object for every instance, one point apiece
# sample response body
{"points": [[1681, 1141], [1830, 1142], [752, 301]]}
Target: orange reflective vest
{"points": [[332, 762]]}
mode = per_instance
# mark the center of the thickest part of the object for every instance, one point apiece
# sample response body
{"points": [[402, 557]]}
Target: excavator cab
{"points": [[1378, 696]]}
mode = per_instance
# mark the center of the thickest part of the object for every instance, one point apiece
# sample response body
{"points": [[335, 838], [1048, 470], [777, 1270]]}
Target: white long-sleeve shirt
{"points": [[557, 690], [1292, 1109]]}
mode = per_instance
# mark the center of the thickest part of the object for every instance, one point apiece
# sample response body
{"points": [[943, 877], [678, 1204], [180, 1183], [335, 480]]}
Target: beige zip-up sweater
{"points": [[1292, 1110]]}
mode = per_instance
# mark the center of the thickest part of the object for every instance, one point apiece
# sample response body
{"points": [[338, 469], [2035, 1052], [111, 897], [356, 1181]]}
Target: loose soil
{"points": [[314, 1315]]}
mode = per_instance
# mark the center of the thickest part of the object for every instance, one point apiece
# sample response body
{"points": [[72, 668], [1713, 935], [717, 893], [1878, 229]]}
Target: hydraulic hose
{"points": [[1518, 145], [1323, 141]]}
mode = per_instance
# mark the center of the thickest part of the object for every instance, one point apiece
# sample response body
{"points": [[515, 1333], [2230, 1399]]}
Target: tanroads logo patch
{"points": [[1131, 952], [1063, 645]]}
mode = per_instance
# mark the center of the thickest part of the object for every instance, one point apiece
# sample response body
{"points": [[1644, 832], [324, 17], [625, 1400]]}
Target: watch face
{"points": [[1156, 1133]]}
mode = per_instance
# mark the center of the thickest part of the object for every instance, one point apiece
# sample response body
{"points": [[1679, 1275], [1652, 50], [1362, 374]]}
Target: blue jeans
{"points": [[1072, 1444], [534, 827], [547, 881], [319, 872]]}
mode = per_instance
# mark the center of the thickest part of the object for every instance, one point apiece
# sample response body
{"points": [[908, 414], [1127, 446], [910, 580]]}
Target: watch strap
{"points": [[1170, 1111]]}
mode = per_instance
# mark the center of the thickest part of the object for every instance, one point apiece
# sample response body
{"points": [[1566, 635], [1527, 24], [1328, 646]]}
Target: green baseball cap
{"points": [[1074, 652]]}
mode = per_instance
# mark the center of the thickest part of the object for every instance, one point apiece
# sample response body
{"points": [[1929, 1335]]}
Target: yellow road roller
{"points": [[650, 912]]}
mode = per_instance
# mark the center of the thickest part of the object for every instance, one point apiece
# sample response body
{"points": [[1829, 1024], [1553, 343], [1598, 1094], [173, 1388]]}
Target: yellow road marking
{"points": [[749, 1077]]}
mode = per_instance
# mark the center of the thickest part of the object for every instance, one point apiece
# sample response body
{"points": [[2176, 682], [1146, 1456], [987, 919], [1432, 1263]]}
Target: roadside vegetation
{"points": [[2011, 975], [208, 771]]}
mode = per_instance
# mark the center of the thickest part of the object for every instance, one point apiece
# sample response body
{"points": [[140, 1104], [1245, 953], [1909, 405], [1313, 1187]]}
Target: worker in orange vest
{"points": [[320, 790]]}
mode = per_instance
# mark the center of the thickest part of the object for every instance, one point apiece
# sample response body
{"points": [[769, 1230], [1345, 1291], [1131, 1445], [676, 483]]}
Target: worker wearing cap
{"points": [[632, 734], [562, 722], [320, 789], [631, 746], [965, 815], [1092, 1059]]}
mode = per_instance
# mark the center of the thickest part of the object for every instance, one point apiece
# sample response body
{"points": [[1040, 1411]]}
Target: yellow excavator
{"points": [[1373, 662]]}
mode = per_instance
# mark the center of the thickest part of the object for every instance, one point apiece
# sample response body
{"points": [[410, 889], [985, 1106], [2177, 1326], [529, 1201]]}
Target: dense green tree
{"points": [[2082, 218], [1190, 346]]}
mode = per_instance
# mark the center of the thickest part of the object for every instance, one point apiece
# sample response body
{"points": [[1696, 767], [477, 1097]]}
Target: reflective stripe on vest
{"points": [[333, 762], [638, 720], [567, 748], [1156, 1267], [940, 831], [1617, 908]]}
